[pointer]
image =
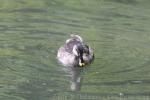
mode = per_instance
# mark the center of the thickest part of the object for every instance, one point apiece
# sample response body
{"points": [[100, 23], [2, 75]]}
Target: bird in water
{"points": [[75, 54]]}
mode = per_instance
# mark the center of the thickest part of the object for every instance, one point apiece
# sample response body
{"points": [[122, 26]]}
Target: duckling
{"points": [[75, 53]]}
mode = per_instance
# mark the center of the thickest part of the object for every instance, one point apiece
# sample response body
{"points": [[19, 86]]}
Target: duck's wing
{"points": [[77, 37], [70, 44]]}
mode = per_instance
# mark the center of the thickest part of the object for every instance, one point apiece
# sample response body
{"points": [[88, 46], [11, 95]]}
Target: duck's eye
{"points": [[86, 51]]}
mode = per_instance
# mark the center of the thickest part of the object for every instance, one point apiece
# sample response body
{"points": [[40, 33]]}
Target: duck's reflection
{"points": [[75, 78], [75, 55]]}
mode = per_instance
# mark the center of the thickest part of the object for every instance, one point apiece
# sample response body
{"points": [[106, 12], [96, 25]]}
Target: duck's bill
{"points": [[81, 64]]}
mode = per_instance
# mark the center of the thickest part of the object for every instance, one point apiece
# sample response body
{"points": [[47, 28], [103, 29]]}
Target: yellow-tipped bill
{"points": [[81, 64]]}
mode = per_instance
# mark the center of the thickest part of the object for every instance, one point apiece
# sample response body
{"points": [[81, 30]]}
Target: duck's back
{"points": [[70, 44]]}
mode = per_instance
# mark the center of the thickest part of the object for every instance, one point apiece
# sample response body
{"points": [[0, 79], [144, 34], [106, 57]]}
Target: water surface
{"points": [[32, 31]]}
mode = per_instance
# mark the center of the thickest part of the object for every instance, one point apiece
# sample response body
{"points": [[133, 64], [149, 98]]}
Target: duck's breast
{"points": [[66, 58]]}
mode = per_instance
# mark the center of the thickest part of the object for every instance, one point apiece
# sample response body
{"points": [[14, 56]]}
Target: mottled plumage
{"points": [[74, 52]]}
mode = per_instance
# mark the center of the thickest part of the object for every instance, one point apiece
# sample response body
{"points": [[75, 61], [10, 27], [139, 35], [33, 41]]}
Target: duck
{"points": [[75, 52]]}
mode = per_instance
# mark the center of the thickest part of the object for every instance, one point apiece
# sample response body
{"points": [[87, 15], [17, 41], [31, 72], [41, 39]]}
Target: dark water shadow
{"points": [[24, 10], [100, 19], [117, 15], [57, 22], [29, 10], [126, 1]]}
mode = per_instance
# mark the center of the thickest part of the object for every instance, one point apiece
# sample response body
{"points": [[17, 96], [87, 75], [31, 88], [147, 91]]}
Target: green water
{"points": [[31, 31]]}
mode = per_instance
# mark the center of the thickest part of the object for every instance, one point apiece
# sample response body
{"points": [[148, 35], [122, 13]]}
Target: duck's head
{"points": [[82, 52]]}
